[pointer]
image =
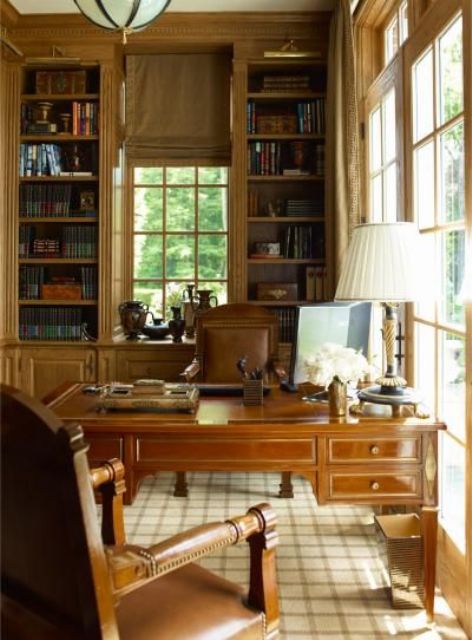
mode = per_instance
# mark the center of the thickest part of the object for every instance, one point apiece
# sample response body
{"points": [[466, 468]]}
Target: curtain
{"points": [[342, 136], [178, 106]]}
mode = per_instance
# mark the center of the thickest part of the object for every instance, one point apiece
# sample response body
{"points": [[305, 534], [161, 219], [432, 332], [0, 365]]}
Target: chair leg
{"points": [[180, 487], [286, 487]]}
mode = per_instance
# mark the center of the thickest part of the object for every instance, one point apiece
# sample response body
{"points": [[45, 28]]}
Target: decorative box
{"points": [[61, 292], [277, 124], [277, 291]]}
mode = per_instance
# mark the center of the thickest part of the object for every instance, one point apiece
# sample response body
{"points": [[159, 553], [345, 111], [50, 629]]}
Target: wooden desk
{"points": [[374, 460]]}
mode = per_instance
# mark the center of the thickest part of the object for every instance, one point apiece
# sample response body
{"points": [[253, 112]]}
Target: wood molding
{"points": [[199, 27], [9, 16]]}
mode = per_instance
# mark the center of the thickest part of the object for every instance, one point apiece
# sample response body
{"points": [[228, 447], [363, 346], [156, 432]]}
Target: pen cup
{"points": [[252, 392]]}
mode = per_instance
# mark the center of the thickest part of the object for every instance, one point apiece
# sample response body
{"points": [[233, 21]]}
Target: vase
{"points": [[188, 311], [133, 314], [337, 397], [201, 302], [176, 325]]}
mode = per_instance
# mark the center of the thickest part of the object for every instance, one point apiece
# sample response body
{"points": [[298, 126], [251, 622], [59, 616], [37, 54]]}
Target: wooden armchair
{"points": [[224, 334], [60, 579]]}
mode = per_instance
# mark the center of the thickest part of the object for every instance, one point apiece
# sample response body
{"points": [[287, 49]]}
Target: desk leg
{"points": [[286, 487], [429, 530], [180, 487]]}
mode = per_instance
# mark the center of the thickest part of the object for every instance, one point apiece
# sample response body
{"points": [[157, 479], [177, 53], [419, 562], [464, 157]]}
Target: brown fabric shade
{"points": [[178, 106]]}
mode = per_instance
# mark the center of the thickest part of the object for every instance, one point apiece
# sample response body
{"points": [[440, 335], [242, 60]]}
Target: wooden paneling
{"points": [[43, 369]]}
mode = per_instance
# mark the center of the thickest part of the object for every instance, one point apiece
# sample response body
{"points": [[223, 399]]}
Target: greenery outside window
{"points": [[180, 233], [438, 200]]}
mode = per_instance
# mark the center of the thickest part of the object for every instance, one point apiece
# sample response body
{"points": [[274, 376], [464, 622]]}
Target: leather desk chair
{"points": [[223, 335], [62, 579]]}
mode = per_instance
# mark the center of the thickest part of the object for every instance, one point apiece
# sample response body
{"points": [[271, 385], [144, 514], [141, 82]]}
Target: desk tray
{"points": [[174, 398]]}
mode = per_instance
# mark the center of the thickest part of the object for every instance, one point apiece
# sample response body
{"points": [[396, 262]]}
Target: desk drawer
{"points": [[374, 450], [103, 448], [402, 484], [238, 451]]}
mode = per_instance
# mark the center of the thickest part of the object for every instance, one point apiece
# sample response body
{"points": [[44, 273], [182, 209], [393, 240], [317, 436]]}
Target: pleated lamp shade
{"points": [[125, 15], [382, 263]]}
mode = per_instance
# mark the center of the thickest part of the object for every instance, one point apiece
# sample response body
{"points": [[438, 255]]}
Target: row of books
{"points": [[310, 117], [265, 158], [303, 242], [32, 278], [286, 318], [316, 284], [50, 160], [84, 118], [45, 199], [77, 241], [45, 323]]}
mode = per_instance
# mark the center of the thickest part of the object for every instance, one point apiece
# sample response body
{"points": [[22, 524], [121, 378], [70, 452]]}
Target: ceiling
{"points": [[68, 6]]}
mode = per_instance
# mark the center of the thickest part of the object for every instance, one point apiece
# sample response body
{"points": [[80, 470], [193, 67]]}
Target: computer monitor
{"points": [[344, 323]]}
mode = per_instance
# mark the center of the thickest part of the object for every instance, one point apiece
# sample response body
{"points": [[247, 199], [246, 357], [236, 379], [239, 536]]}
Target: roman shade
{"points": [[178, 106]]}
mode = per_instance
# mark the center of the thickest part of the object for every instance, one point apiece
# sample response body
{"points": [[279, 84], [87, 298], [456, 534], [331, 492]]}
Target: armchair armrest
{"points": [[191, 372], [130, 566], [109, 480]]}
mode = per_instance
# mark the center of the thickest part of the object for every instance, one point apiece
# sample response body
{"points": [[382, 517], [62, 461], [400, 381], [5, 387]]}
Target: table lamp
{"points": [[382, 264]]}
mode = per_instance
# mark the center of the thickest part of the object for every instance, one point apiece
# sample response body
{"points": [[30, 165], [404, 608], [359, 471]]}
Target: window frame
{"points": [[130, 233]]}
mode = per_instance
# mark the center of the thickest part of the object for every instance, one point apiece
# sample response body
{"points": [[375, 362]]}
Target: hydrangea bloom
{"points": [[332, 360]]}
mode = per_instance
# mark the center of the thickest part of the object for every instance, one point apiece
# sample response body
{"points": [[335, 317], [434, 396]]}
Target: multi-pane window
{"points": [[383, 162], [383, 187], [439, 196], [396, 31], [180, 233]]}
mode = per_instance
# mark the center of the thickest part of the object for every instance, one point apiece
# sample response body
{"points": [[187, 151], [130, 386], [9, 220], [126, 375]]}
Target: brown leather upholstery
{"points": [[229, 332], [184, 598], [61, 579]]}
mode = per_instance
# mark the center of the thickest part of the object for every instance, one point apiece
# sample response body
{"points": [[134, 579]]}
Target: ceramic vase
{"points": [[176, 325]]}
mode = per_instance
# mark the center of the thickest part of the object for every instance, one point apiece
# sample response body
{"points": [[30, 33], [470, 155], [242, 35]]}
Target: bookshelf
{"points": [[285, 140], [58, 204]]}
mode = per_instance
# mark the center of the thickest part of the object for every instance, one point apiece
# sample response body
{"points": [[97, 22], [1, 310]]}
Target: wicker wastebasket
{"points": [[401, 547]]}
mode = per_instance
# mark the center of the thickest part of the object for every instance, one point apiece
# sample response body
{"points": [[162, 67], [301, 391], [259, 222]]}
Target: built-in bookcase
{"points": [[58, 203], [285, 132]]}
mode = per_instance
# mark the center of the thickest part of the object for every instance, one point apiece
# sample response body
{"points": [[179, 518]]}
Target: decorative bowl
{"points": [[157, 331]]}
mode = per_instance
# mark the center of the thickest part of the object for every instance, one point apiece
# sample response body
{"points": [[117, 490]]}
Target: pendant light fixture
{"points": [[122, 15]]}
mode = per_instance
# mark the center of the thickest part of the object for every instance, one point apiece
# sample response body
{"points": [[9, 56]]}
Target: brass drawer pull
{"points": [[374, 486], [375, 450]]}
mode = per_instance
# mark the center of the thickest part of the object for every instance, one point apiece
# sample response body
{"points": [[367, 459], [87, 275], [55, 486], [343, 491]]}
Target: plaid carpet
{"points": [[331, 581]]}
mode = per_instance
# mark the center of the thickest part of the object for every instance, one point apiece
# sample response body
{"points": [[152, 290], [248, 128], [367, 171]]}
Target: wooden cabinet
{"points": [[44, 368], [285, 127], [58, 204], [164, 361]]}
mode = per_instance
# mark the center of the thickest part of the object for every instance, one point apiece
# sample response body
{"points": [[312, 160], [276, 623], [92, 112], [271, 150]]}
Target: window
{"points": [[438, 201], [383, 163], [396, 32], [180, 233]]}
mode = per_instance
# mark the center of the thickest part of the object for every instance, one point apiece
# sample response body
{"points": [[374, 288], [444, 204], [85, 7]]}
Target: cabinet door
{"points": [[42, 370], [164, 363]]}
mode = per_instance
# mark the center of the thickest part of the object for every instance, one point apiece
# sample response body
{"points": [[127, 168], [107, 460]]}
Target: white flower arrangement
{"points": [[333, 360]]}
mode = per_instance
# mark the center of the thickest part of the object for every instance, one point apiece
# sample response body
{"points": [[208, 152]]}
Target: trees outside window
{"points": [[180, 233]]}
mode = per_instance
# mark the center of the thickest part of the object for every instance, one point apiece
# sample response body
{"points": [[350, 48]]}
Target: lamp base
{"points": [[396, 397]]}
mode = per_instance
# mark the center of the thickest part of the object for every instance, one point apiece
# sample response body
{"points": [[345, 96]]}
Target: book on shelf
{"points": [[76, 173], [295, 172], [41, 128], [310, 284]]}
